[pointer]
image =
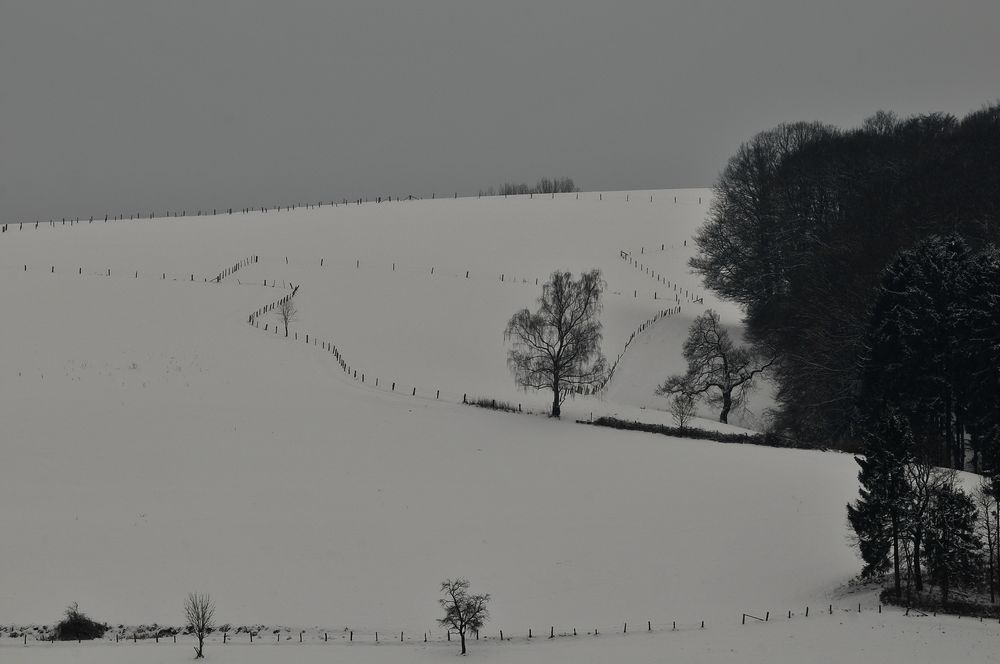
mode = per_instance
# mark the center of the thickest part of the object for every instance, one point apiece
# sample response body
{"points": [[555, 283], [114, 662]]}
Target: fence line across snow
{"points": [[150, 215]]}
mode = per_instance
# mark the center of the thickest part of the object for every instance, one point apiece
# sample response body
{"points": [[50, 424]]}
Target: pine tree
{"points": [[877, 517], [979, 318], [917, 343]]}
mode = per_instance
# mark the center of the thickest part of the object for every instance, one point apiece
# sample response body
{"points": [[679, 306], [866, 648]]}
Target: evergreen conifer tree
{"points": [[917, 345], [878, 515]]}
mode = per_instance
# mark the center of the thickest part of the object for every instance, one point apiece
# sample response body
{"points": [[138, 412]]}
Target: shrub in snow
{"points": [[77, 626]]}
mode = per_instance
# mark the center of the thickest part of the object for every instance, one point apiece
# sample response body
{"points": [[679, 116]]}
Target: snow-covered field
{"points": [[822, 639], [156, 443]]}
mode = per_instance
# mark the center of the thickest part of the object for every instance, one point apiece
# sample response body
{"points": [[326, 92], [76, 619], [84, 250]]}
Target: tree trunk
{"points": [[556, 409], [949, 443], [959, 444], [989, 547], [974, 442], [895, 552], [918, 579], [909, 572], [727, 404], [461, 635]]}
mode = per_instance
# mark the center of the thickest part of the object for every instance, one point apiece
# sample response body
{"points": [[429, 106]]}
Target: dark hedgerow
{"points": [[767, 439], [966, 604], [493, 404], [77, 626]]}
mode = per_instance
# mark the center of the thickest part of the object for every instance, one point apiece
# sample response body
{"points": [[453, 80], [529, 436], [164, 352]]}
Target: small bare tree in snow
{"points": [[559, 346], [717, 368], [199, 612], [462, 612], [287, 312], [986, 503], [682, 409]]}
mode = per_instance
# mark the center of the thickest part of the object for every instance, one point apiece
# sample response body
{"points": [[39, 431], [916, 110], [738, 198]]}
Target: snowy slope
{"points": [[156, 443], [392, 291]]}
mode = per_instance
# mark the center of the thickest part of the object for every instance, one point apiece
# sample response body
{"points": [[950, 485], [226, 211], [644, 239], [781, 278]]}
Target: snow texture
{"points": [[157, 443]]}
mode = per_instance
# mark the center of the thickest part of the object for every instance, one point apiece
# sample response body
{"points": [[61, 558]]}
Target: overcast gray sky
{"points": [[138, 105]]}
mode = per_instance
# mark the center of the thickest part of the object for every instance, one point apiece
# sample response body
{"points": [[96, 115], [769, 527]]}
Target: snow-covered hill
{"points": [[155, 442]]}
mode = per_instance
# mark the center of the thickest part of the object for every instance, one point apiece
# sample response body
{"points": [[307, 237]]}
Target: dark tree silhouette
{"points": [[717, 367], [199, 614], [682, 409], [77, 626], [878, 516], [804, 219], [559, 347], [954, 551], [462, 612], [287, 312]]}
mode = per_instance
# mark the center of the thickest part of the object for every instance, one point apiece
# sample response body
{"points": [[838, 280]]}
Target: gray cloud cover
{"points": [[135, 105]]}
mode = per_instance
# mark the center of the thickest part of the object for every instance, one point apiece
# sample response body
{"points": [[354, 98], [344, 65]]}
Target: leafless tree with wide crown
{"points": [[558, 347]]}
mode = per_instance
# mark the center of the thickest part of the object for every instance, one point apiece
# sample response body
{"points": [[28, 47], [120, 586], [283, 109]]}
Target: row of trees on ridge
{"points": [[805, 218], [543, 186]]}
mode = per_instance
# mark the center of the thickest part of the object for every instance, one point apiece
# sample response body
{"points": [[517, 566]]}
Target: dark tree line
{"points": [[932, 350], [929, 389], [804, 220], [543, 186], [913, 519]]}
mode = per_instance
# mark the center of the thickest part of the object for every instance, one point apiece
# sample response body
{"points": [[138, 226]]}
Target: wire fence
{"points": [[359, 374], [79, 270], [283, 635], [260, 634], [677, 291], [147, 215], [663, 313], [352, 370]]}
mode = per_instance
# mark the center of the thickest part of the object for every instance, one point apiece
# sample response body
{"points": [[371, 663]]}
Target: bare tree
{"points": [[286, 311], [925, 481], [199, 612], [717, 367], [462, 612], [986, 503], [682, 409], [559, 346]]}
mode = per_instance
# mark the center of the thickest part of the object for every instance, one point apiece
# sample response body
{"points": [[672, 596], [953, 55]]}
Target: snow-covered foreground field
{"points": [[156, 443], [823, 639]]}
